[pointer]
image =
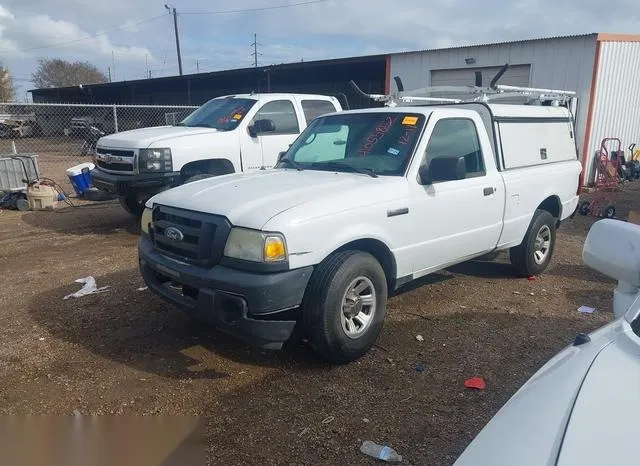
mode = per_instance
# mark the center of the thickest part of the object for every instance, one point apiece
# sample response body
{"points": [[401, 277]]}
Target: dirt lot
{"points": [[127, 352]]}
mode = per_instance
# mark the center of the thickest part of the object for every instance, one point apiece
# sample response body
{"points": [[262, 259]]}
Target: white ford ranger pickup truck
{"points": [[362, 203]]}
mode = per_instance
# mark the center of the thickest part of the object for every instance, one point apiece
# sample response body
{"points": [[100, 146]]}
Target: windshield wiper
{"points": [[338, 165], [293, 163]]}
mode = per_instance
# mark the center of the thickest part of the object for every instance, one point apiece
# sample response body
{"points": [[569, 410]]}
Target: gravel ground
{"points": [[126, 352]]}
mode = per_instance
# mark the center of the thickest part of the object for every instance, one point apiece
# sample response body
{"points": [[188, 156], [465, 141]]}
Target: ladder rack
{"points": [[476, 93]]}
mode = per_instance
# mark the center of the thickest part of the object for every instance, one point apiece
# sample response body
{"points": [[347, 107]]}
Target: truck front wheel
{"points": [[132, 204], [533, 255], [344, 306]]}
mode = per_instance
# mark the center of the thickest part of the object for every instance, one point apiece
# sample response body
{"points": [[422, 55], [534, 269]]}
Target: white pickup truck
{"points": [[362, 203], [237, 133]]}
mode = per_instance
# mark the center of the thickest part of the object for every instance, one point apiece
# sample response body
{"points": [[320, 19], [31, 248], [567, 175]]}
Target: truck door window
{"points": [[283, 115], [457, 137], [315, 108]]}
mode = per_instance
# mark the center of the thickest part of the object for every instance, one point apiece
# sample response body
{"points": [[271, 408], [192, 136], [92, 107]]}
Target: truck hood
{"points": [[603, 424], [252, 199], [144, 137]]}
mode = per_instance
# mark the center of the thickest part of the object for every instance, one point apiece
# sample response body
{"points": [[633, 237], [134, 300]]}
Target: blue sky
{"points": [[84, 30]]}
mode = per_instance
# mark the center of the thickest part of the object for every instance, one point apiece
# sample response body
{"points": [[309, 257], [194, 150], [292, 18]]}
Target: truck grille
{"points": [[189, 236], [116, 160]]}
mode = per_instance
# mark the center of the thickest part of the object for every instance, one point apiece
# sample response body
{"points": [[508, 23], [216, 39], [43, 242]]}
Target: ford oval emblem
{"points": [[174, 234]]}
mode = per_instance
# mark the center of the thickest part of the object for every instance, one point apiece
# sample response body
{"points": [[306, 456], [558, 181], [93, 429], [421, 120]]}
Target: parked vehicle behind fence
{"points": [[228, 134]]}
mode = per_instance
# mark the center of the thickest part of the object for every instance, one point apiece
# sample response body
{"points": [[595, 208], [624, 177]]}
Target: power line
{"points": [[103, 33], [248, 10]]}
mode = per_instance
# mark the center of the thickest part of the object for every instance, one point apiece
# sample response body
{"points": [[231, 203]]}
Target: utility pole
{"points": [[146, 60], [175, 28], [197, 66], [255, 50], [109, 70]]}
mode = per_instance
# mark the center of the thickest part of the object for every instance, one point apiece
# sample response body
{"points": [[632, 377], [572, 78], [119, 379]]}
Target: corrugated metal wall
{"points": [[617, 98], [558, 63]]}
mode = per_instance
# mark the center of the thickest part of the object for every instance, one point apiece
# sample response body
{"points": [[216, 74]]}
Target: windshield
{"points": [[222, 114], [380, 143]]}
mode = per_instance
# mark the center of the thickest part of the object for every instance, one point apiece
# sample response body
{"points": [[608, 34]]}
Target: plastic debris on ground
{"points": [[586, 310], [144, 288], [89, 287], [381, 452], [419, 338], [421, 368], [476, 383], [531, 278]]}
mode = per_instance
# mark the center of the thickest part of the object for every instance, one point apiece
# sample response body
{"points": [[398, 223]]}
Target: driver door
{"points": [[263, 149]]}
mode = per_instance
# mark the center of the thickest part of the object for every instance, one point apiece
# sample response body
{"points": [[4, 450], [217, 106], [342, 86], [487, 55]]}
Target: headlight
{"points": [[154, 160], [145, 221], [255, 246]]}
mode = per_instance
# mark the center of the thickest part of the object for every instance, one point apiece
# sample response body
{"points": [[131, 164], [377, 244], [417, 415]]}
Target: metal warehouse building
{"points": [[604, 69]]}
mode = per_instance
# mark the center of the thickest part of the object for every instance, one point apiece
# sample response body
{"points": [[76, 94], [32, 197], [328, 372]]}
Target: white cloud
{"points": [[27, 35]]}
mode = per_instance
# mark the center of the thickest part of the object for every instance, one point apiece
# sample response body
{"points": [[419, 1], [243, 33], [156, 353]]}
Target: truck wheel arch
{"points": [[377, 249], [552, 205], [209, 166]]}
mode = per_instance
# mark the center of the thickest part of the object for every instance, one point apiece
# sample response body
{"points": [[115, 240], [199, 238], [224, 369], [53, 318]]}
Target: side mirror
{"points": [[612, 248], [280, 155], [443, 169], [261, 126]]}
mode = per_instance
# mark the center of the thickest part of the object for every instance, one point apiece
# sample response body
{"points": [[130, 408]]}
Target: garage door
{"points": [[517, 75]]}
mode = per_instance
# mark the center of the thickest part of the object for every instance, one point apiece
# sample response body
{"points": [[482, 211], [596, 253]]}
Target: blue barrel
{"points": [[80, 177]]}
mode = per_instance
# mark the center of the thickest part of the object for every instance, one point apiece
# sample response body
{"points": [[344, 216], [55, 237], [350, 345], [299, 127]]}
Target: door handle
{"points": [[488, 191]]}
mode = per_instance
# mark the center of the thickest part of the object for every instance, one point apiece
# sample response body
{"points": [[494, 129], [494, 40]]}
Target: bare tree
{"points": [[7, 90], [55, 72]]}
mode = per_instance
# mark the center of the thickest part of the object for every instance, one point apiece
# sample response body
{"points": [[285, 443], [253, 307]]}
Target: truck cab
{"points": [[229, 134]]}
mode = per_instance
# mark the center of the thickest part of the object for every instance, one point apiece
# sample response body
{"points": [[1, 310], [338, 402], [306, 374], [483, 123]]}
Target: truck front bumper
{"points": [[248, 306], [124, 185]]}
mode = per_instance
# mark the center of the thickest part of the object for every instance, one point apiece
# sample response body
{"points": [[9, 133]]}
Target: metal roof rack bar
{"points": [[477, 93]]}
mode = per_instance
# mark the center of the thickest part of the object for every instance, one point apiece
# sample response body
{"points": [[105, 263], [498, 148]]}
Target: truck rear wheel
{"points": [[344, 306], [533, 255], [132, 204]]}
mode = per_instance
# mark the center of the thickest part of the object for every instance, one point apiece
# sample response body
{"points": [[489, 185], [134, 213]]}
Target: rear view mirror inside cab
{"points": [[443, 169]]}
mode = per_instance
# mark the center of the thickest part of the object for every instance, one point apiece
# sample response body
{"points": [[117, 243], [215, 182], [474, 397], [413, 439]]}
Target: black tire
{"points": [[322, 305], [584, 208], [524, 257], [610, 211], [133, 205], [23, 205]]}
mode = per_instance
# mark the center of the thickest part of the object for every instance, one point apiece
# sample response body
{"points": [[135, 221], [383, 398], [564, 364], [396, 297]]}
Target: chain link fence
{"points": [[64, 135]]}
